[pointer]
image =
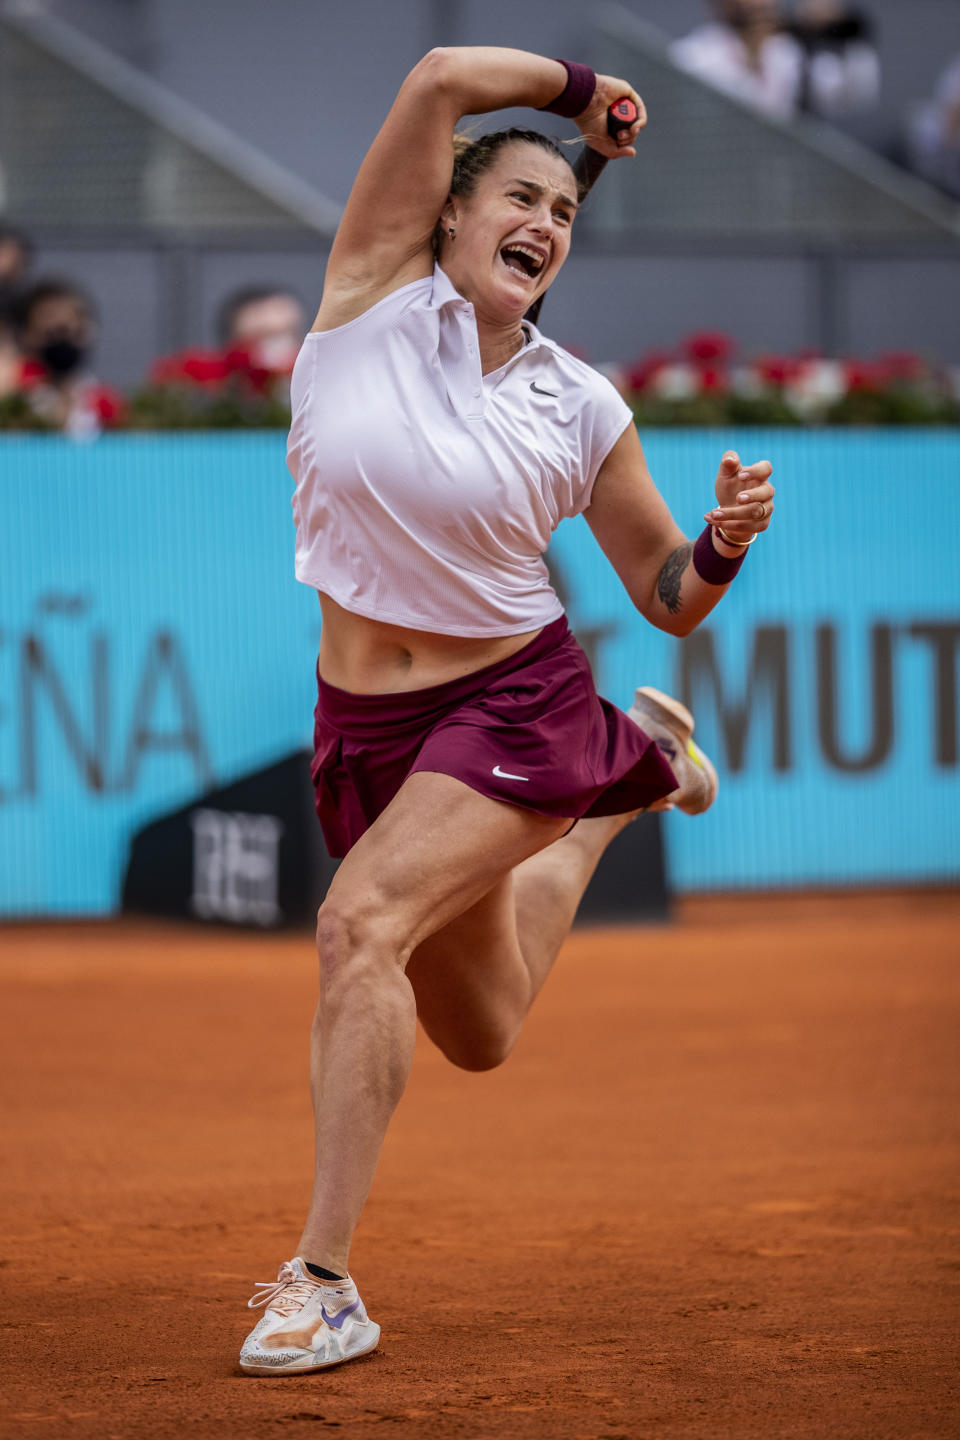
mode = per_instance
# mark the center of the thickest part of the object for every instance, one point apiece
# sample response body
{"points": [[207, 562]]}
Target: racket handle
{"points": [[620, 116], [589, 163]]}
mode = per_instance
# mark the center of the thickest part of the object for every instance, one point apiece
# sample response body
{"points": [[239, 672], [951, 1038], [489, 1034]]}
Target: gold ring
{"points": [[763, 510]]}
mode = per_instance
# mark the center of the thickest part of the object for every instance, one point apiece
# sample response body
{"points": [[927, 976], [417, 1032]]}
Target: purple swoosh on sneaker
{"points": [[335, 1321]]}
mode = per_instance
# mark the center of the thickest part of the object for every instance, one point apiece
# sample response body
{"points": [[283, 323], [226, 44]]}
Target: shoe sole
{"points": [[672, 710], [677, 717], [296, 1368]]}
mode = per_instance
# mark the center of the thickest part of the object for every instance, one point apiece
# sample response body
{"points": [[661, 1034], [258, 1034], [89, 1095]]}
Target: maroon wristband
{"points": [[577, 93], [710, 565]]}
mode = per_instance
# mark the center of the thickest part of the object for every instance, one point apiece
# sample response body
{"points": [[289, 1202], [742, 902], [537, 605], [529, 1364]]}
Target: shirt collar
{"points": [[443, 290], [445, 293]]}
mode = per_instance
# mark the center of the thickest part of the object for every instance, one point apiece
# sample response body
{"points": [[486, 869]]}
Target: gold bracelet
{"points": [[740, 544]]}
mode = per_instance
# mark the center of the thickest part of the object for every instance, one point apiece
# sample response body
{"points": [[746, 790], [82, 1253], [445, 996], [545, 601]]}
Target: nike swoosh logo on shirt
{"points": [[537, 391], [505, 774], [335, 1321]]}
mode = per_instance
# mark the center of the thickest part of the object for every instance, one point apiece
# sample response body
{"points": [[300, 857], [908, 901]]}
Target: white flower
{"points": [[818, 386], [748, 382], [675, 382]]}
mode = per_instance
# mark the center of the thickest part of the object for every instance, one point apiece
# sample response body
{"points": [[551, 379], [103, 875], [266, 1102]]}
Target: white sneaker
{"points": [[308, 1324], [670, 724]]}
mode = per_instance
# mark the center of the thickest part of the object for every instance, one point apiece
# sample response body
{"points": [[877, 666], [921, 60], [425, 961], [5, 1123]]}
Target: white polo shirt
{"points": [[426, 492]]}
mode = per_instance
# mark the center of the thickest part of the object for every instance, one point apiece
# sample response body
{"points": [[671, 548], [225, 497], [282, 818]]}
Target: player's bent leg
{"points": [[437, 849], [476, 979], [471, 984]]}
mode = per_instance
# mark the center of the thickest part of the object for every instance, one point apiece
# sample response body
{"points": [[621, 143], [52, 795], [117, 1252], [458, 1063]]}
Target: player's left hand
{"points": [[744, 497]]}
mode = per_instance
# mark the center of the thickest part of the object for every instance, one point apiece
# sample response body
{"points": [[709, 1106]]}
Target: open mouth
{"points": [[523, 260]]}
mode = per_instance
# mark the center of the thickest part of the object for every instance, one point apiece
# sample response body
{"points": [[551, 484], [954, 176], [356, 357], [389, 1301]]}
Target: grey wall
{"points": [[908, 305], [151, 302], [607, 308], [648, 302], [308, 81], [293, 76]]}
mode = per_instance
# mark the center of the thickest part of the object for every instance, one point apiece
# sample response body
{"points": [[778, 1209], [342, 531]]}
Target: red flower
{"points": [[901, 367], [642, 372], [709, 347], [31, 375], [241, 362], [863, 375], [195, 367], [778, 369], [713, 380], [109, 405]]}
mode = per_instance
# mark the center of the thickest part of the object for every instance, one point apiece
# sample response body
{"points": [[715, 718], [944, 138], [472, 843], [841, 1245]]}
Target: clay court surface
{"points": [[713, 1193]]}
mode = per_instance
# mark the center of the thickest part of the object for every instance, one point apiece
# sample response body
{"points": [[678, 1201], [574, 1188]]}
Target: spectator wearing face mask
{"points": [[745, 52], [841, 67], [56, 331], [260, 330], [268, 320]]}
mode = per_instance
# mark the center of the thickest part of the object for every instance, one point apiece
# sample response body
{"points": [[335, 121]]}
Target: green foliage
{"points": [[191, 407], [901, 405], [713, 410], [697, 386], [16, 413]]}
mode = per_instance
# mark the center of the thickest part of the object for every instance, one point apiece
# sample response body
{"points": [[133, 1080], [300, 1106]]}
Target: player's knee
{"points": [[354, 938]]}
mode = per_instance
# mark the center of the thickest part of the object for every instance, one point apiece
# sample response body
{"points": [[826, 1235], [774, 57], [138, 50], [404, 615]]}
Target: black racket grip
{"points": [[620, 116]]}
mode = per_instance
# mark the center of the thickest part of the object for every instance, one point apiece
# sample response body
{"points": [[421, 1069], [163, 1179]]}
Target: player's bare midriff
{"points": [[371, 657]]}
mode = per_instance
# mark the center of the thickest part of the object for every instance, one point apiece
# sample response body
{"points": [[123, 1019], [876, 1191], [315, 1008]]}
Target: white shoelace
{"points": [[289, 1292]]}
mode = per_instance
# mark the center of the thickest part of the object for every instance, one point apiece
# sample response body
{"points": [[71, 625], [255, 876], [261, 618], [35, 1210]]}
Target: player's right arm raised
{"points": [[384, 239]]}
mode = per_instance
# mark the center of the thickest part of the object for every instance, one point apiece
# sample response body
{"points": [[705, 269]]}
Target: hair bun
{"points": [[461, 144]]}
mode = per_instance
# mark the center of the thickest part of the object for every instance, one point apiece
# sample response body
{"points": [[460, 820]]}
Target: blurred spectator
{"points": [[823, 61], [260, 329], [841, 69], [9, 358], [16, 253], [55, 330], [934, 132], [745, 53], [268, 321]]}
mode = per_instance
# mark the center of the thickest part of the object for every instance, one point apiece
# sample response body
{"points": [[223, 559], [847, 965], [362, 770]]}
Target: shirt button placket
{"points": [[476, 378]]}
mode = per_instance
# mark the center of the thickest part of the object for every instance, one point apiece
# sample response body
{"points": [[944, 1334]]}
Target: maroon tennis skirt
{"points": [[529, 730]]}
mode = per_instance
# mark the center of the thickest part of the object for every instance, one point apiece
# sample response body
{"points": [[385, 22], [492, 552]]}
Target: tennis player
{"points": [[438, 439]]}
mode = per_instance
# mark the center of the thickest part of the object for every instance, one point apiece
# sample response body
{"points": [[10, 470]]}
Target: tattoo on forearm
{"points": [[671, 577]]}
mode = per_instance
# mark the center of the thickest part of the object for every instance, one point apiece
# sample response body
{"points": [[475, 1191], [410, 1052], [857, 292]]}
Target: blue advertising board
{"points": [[153, 642], [825, 684]]}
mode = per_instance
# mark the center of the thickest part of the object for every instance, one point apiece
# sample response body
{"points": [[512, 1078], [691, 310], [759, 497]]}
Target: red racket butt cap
{"points": [[621, 115]]}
